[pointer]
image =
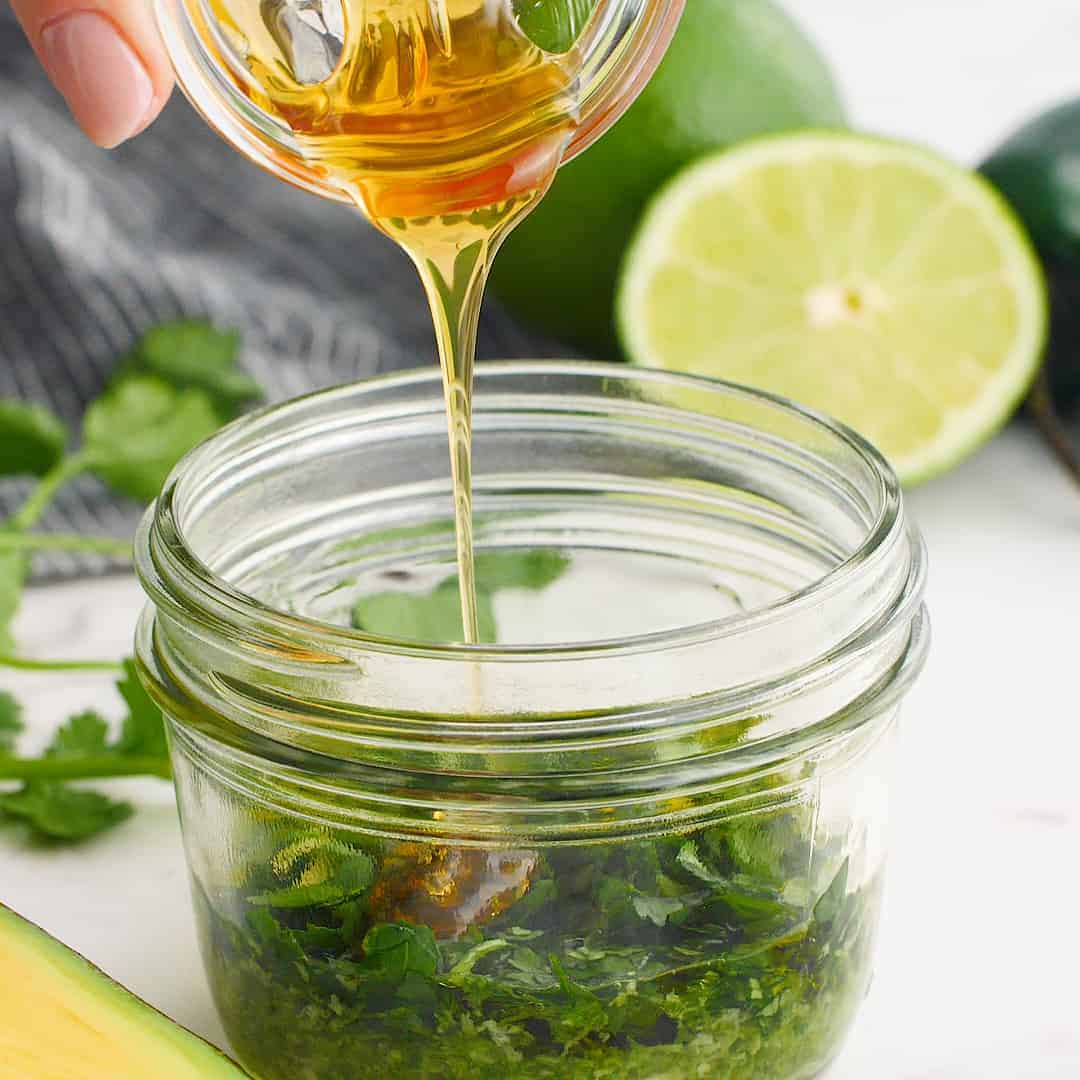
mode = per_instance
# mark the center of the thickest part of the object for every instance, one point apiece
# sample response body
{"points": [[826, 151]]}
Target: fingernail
{"points": [[102, 79]]}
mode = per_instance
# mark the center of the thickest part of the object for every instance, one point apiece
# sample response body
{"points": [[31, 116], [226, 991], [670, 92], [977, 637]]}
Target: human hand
{"points": [[105, 57]]}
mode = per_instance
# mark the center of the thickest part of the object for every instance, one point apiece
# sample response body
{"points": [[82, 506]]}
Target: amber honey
{"points": [[443, 122]]}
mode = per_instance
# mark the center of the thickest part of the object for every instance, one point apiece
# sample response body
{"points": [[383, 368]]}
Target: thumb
{"points": [[105, 57]]}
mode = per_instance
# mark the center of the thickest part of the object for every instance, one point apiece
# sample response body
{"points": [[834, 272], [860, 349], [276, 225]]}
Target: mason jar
{"points": [[640, 832]]}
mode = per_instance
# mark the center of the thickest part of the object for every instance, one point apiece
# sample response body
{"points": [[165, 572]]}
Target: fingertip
{"points": [[157, 105], [106, 83], [107, 62]]}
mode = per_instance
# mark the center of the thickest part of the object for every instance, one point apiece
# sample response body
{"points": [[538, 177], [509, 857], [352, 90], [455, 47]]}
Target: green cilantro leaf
{"points": [[765, 847], [143, 731], [56, 811], [657, 909], [10, 722], [583, 1017], [689, 858], [434, 616], [192, 354], [136, 432], [84, 733], [535, 569], [32, 439], [399, 949], [176, 388], [352, 878], [79, 750], [326, 894], [173, 390]]}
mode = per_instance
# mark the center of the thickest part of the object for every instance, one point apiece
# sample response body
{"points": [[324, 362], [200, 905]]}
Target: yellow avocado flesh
{"points": [[63, 1019]]}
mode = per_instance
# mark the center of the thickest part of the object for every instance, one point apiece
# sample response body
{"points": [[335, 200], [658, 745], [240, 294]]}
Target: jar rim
{"points": [[194, 576]]}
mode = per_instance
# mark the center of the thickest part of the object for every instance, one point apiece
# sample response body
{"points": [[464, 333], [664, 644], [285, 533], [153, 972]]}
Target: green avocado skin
{"points": [[735, 69], [1038, 171], [117, 1012]]}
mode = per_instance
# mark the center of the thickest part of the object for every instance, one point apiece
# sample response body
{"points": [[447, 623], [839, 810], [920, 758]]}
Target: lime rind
{"points": [[963, 429]]}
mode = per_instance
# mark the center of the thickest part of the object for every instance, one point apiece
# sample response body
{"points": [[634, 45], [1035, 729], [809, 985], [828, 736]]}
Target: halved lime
{"points": [[868, 279]]}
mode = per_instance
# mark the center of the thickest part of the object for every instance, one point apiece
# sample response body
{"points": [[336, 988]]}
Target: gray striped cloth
{"points": [[99, 245]]}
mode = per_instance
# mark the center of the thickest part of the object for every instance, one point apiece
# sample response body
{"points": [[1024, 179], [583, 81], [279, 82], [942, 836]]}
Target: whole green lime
{"points": [[1038, 171], [735, 69]]}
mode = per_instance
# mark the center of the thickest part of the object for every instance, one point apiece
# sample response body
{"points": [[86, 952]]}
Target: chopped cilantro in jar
{"points": [[733, 951]]}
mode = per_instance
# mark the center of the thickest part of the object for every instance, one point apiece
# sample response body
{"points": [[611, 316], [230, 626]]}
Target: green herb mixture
{"points": [[739, 951]]}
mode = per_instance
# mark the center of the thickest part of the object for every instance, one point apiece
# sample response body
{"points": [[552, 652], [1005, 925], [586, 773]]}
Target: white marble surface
{"points": [[979, 955]]}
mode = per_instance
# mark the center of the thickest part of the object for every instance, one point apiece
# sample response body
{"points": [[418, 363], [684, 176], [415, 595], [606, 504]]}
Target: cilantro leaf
{"points": [[176, 388], [535, 569], [326, 894], [13, 570], [399, 949], [769, 848], [657, 909], [84, 733], [80, 749], [32, 439], [10, 722], [56, 811], [192, 354], [143, 731], [351, 878], [434, 616], [689, 858], [585, 1014], [173, 390], [136, 432]]}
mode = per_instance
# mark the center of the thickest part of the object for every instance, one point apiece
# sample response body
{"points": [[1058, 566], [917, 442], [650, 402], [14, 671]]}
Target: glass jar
{"points": [[657, 854]]}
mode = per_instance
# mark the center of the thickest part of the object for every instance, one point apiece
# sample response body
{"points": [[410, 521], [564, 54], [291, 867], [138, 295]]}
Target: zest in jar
{"points": [[643, 835]]}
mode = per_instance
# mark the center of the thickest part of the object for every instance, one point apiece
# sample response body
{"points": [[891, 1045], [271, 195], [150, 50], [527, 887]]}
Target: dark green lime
{"points": [[1038, 171], [736, 68]]}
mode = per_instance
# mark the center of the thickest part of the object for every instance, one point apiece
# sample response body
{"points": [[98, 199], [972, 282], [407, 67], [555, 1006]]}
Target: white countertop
{"points": [[977, 970]]}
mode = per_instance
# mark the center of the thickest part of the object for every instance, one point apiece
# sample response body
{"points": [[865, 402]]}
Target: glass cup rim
{"points": [[195, 577], [269, 143]]}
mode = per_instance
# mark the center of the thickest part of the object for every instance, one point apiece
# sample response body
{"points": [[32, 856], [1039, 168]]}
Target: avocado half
{"points": [[61, 1016]]}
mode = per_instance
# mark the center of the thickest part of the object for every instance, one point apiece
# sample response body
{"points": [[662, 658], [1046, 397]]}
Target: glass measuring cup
{"points": [[612, 58]]}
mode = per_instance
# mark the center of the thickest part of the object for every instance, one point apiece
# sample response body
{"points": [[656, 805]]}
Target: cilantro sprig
{"points": [[177, 386], [46, 802]]}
